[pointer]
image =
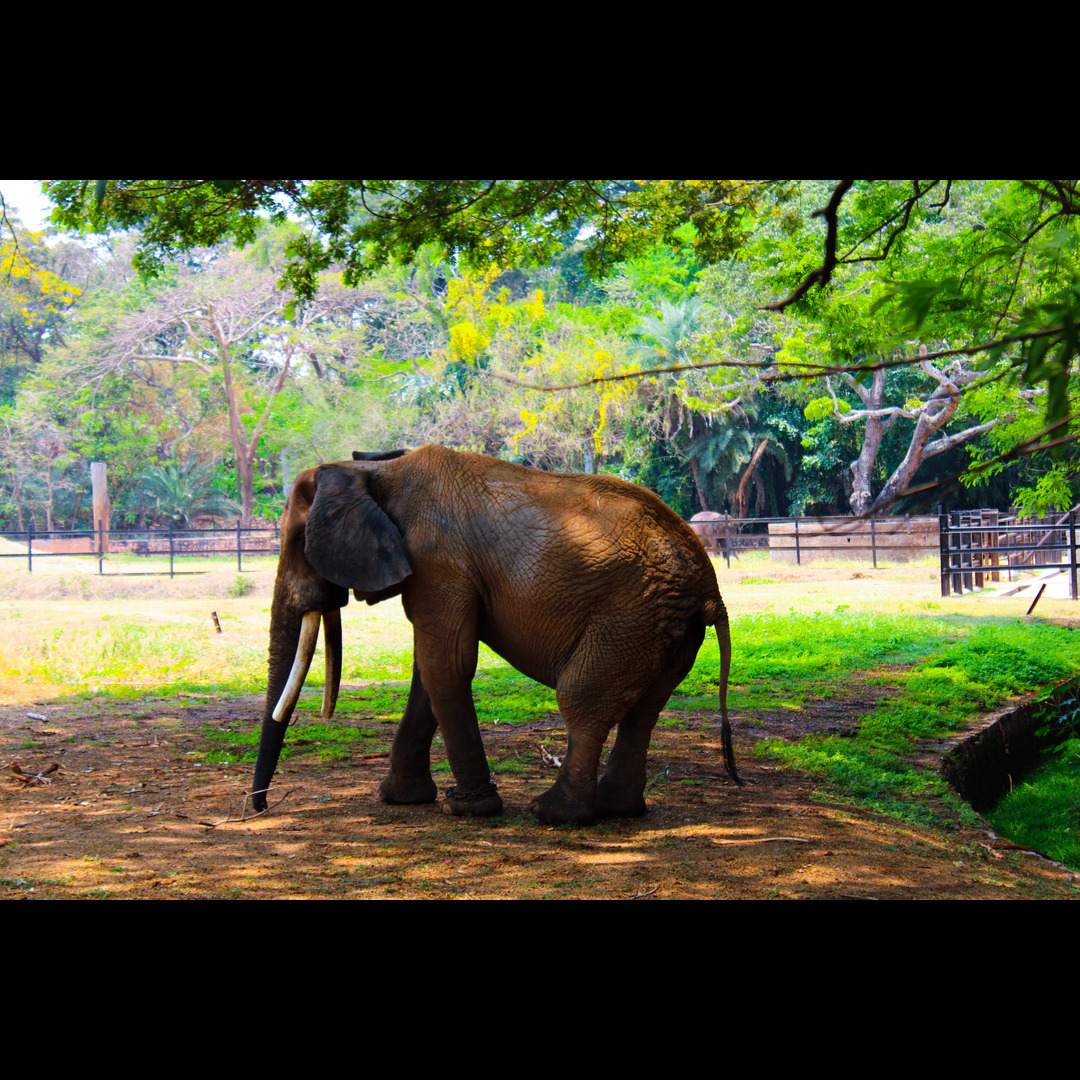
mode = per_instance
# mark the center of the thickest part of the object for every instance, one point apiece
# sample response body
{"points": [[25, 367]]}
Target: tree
{"points": [[930, 416], [996, 263], [222, 327], [34, 301], [363, 225], [858, 330], [990, 270], [37, 448]]}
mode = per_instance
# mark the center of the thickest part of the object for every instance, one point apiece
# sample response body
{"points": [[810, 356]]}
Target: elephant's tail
{"points": [[723, 637]]}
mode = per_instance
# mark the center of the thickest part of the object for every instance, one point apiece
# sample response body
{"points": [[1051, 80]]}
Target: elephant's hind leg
{"points": [[572, 798], [410, 757], [621, 790], [591, 704]]}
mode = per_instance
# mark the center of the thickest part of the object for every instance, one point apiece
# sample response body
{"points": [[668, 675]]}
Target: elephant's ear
{"points": [[348, 539]]}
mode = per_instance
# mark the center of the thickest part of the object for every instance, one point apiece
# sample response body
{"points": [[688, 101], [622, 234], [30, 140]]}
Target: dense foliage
{"points": [[757, 347]]}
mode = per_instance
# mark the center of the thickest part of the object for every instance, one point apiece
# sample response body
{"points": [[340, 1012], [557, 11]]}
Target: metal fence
{"points": [[979, 546], [151, 543], [975, 546]]}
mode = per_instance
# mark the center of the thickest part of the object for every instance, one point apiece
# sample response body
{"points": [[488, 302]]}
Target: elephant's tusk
{"points": [[332, 646], [305, 650]]}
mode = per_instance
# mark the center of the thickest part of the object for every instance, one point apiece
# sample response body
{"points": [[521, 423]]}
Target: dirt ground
{"points": [[104, 799], [129, 812]]}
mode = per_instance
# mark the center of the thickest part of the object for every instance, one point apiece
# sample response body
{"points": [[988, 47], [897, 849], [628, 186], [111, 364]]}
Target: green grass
{"points": [[971, 670], [781, 660], [1044, 811], [328, 740]]}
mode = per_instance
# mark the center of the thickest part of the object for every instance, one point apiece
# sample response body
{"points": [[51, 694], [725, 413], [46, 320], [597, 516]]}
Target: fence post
{"points": [[170, 550], [1072, 554], [30, 545], [239, 568], [956, 550], [873, 541], [943, 547], [727, 539], [101, 548], [798, 556]]}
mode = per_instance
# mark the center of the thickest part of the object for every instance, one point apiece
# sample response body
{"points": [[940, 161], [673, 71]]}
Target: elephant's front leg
{"points": [[410, 757], [447, 667]]}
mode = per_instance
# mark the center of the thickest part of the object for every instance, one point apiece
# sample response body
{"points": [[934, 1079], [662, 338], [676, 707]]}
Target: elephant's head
{"points": [[334, 537]]}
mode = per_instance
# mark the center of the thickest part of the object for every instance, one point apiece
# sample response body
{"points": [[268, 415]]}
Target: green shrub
{"points": [[241, 586]]}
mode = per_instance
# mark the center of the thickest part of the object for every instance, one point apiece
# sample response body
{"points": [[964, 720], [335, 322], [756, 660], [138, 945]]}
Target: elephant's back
{"points": [[586, 542]]}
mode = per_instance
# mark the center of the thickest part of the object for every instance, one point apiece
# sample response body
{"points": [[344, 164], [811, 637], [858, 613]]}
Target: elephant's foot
{"points": [[408, 789], [554, 807], [485, 802], [615, 801]]}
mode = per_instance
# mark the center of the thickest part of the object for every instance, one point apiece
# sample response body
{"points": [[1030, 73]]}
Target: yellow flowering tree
{"points": [[34, 299]]}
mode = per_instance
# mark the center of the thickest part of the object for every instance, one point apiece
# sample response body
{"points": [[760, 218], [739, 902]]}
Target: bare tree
{"points": [[228, 320], [930, 417]]}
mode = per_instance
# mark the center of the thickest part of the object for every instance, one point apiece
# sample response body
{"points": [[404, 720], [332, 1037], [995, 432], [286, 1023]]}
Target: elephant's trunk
{"points": [[723, 637], [293, 636]]}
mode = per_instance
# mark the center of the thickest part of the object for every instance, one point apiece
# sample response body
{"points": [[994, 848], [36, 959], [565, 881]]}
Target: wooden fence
{"points": [[799, 540]]}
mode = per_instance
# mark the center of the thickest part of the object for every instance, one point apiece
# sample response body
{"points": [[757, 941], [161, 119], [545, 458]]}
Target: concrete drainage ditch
{"points": [[986, 764]]}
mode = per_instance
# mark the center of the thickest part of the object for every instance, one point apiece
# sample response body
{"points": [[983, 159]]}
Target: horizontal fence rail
{"points": [[149, 543]]}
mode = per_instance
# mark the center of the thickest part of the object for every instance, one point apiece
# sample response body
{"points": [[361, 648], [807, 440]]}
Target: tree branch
{"points": [[823, 274]]}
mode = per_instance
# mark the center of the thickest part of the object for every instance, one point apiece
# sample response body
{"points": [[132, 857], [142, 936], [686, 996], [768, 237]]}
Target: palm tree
{"points": [[183, 492], [669, 336]]}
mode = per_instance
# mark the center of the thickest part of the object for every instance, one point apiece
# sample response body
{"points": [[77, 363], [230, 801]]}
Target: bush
{"points": [[241, 586]]}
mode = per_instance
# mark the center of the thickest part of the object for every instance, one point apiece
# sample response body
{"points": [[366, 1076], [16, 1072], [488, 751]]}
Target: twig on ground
{"points": [[40, 777], [243, 810], [763, 840]]}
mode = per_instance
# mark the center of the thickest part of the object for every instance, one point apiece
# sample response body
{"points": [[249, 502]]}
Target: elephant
{"points": [[587, 584], [709, 529]]}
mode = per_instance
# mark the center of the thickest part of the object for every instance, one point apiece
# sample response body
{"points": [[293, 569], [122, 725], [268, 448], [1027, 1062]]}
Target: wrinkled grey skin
{"points": [[708, 526], [587, 584]]}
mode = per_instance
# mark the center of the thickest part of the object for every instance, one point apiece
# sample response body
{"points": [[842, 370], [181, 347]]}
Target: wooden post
{"points": [[1072, 555], [943, 547], [102, 509]]}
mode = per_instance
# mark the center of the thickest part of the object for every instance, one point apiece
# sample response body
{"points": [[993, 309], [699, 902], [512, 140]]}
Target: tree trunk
{"points": [[744, 484], [699, 487], [862, 468], [245, 474]]}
